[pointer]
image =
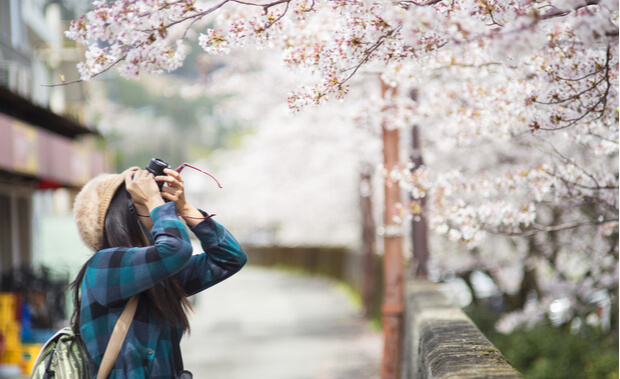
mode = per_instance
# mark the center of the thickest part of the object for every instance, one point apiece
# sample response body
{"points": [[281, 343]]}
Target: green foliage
{"points": [[548, 352], [191, 131]]}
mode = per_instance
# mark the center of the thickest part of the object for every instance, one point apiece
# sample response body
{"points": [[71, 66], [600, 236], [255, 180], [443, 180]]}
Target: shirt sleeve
{"points": [[116, 274], [221, 257]]}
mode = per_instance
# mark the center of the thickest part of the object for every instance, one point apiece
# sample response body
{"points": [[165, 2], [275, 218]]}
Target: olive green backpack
{"points": [[64, 356]]}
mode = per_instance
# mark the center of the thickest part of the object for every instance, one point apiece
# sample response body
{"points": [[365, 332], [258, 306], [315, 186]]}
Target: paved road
{"points": [[267, 324]]}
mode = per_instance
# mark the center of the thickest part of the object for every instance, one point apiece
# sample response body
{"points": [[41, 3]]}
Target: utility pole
{"points": [[393, 265], [418, 223]]}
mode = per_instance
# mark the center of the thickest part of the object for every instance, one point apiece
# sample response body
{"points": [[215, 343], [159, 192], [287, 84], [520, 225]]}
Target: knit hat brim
{"points": [[91, 206]]}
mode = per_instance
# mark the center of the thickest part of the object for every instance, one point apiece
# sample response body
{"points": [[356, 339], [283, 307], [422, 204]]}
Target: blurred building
{"points": [[46, 141]]}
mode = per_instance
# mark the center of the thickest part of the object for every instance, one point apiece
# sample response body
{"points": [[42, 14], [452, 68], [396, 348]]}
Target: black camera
{"points": [[156, 167]]}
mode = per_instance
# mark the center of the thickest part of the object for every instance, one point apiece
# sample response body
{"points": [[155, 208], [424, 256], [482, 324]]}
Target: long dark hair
{"points": [[166, 301]]}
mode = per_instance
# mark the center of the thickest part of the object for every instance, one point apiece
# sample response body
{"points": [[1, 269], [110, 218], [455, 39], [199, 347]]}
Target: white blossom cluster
{"points": [[133, 35]]}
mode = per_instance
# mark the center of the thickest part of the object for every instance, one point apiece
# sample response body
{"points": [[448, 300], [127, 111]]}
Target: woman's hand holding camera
{"points": [[145, 193], [143, 189]]}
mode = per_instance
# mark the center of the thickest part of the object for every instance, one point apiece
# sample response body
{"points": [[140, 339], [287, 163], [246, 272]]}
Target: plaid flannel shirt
{"points": [[116, 274]]}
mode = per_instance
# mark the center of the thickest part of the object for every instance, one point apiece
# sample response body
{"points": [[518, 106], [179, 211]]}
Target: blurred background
{"points": [[299, 190]]}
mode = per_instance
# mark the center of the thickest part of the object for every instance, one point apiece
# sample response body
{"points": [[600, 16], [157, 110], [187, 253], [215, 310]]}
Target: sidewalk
{"points": [[267, 324]]}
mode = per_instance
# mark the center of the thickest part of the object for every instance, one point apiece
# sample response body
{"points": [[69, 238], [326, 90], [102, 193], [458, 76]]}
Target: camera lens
{"points": [[156, 166]]}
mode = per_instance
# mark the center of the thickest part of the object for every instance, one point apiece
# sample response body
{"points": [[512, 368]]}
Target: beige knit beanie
{"points": [[91, 206]]}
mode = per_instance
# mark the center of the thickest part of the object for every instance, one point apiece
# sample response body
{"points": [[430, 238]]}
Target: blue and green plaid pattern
{"points": [[114, 275]]}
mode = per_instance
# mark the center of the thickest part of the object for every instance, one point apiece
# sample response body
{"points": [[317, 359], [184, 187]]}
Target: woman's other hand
{"points": [[175, 191]]}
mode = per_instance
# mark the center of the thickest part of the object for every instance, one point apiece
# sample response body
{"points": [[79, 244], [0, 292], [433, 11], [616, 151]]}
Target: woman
{"points": [[142, 248]]}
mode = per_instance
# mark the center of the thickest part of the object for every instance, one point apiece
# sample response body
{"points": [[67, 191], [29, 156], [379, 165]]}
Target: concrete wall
{"points": [[442, 342]]}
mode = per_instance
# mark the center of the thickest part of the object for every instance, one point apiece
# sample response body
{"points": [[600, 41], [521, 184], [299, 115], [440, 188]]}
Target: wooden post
{"points": [[393, 265], [418, 224]]}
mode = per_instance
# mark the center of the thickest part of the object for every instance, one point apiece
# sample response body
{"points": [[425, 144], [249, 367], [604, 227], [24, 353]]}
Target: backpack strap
{"points": [[176, 350], [49, 373], [117, 338]]}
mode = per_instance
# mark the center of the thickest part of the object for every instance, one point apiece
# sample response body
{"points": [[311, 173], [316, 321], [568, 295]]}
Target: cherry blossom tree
{"points": [[518, 103]]}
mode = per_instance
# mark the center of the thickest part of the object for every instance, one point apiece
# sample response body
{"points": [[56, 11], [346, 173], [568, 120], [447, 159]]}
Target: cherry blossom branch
{"points": [[208, 11], [167, 5], [572, 97], [602, 98], [539, 228], [555, 12], [264, 6], [572, 162], [571, 184], [121, 58], [368, 54], [583, 77], [266, 9], [614, 141], [429, 3], [194, 17], [490, 12], [161, 30]]}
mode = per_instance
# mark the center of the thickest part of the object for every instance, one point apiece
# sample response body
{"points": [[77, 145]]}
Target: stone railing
{"points": [[441, 342]]}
